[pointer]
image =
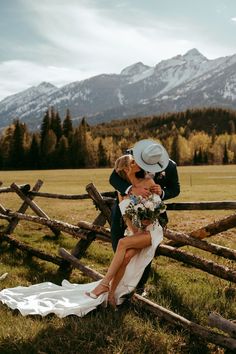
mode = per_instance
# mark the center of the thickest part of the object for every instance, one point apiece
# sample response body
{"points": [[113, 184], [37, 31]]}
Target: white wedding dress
{"points": [[70, 299]]}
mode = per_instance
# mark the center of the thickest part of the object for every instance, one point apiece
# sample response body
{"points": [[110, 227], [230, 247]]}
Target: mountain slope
{"points": [[184, 81]]}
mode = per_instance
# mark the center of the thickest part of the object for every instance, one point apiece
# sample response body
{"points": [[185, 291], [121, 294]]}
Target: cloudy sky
{"points": [[61, 41]]}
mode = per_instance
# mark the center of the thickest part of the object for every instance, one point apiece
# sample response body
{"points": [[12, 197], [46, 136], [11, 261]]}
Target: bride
{"points": [[133, 254]]}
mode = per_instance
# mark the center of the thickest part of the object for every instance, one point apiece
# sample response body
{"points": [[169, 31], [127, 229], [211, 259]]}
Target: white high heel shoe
{"points": [[94, 296]]}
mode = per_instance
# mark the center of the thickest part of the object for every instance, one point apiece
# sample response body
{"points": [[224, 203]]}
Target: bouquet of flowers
{"points": [[144, 210]]}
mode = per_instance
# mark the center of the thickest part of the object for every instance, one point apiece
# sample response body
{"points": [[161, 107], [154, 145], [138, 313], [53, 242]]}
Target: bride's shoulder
{"points": [[148, 180]]}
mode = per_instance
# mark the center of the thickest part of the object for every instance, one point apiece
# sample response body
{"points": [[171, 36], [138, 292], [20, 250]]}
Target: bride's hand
{"points": [[146, 222], [144, 192]]}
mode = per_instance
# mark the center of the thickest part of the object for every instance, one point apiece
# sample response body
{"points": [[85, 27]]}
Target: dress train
{"points": [[70, 299]]}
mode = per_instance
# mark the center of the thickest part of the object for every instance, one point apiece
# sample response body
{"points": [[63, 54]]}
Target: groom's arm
{"points": [[172, 185], [119, 183]]}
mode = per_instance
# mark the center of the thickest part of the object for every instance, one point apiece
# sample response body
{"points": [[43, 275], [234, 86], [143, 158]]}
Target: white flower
{"points": [[149, 205], [139, 206], [156, 198]]}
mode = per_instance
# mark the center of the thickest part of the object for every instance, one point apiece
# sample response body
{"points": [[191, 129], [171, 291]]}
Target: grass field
{"points": [[183, 289]]}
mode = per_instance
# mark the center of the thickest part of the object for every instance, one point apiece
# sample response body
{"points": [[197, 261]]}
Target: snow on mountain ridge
{"points": [[168, 85], [134, 69]]}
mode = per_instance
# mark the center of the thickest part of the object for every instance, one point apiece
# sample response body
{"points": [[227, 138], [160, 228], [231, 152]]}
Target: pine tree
{"points": [[67, 124], [45, 126], [74, 152], [195, 157], [102, 156], [17, 151], [175, 149], [226, 155], [56, 125], [200, 156], [34, 154], [48, 150], [62, 153], [6, 142], [79, 151]]}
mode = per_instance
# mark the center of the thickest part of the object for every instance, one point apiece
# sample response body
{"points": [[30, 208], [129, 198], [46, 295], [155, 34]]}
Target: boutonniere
{"points": [[161, 175]]}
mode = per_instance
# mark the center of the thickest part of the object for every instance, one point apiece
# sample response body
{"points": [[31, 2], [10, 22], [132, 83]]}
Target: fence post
{"points": [[13, 223], [82, 246], [33, 206]]}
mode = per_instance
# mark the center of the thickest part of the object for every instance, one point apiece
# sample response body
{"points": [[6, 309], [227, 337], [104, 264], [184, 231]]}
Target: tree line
{"points": [[198, 136]]}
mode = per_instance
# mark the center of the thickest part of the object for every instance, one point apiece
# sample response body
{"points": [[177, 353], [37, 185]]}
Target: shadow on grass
{"points": [[102, 332], [165, 289], [35, 271]]}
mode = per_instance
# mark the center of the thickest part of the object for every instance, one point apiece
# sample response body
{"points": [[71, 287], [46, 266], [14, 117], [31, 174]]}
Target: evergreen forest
{"points": [[197, 136]]}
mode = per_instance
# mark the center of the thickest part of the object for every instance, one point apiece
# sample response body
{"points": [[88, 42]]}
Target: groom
{"points": [[146, 153]]}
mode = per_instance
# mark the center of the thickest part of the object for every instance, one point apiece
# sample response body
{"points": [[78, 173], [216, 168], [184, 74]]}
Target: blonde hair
{"points": [[122, 163]]}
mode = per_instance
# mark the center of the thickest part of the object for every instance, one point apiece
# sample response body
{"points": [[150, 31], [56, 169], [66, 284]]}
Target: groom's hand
{"points": [[156, 189], [144, 192]]}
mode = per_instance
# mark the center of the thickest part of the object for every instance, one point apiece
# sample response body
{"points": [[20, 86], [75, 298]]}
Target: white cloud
{"points": [[97, 39], [18, 75], [82, 41], [79, 40]]}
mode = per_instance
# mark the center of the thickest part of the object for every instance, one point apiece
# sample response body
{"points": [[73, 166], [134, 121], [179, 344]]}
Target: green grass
{"points": [[183, 289]]}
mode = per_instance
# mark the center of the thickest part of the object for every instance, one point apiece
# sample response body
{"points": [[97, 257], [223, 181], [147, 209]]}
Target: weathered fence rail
{"points": [[86, 233], [160, 311]]}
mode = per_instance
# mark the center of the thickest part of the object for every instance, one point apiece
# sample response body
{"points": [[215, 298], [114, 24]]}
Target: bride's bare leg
{"points": [[130, 253], [137, 241]]}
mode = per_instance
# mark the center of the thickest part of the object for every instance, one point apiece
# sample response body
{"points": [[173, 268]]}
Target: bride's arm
{"points": [[127, 221], [130, 226]]}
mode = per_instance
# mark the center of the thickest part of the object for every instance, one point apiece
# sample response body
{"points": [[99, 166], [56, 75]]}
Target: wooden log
{"points": [[160, 311], [23, 187], [226, 205], [77, 264], [2, 209], [215, 320], [5, 217], [12, 225], [73, 230], [164, 250], [211, 229], [109, 195], [99, 202], [83, 244], [216, 227], [197, 262], [32, 251], [33, 206], [185, 239], [93, 227], [175, 319], [214, 205]]}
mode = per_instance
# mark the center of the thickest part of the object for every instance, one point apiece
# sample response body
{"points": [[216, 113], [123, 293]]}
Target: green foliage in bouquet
{"points": [[142, 210]]}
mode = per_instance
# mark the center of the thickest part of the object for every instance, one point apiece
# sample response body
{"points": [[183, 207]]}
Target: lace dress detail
{"points": [[70, 299]]}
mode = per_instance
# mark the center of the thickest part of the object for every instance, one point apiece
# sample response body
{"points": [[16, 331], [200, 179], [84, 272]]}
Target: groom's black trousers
{"points": [[117, 232]]}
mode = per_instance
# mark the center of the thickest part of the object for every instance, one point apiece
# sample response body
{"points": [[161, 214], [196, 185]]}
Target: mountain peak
{"points": [[193, 54], [135, 69], [46, 85]]}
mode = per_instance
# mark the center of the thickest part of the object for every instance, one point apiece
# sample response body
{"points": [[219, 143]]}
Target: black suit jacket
{"points": [[167, 179]]}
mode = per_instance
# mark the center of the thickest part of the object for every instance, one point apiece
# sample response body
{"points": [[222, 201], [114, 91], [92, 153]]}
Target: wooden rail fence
{"points": [[86, 233]]}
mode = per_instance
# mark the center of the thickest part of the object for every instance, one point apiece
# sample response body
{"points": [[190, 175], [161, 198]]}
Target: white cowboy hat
{"points": [[150, 156]]}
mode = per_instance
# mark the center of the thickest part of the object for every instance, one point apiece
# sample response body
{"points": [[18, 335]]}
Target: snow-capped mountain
{"points": [[184, 81]]}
